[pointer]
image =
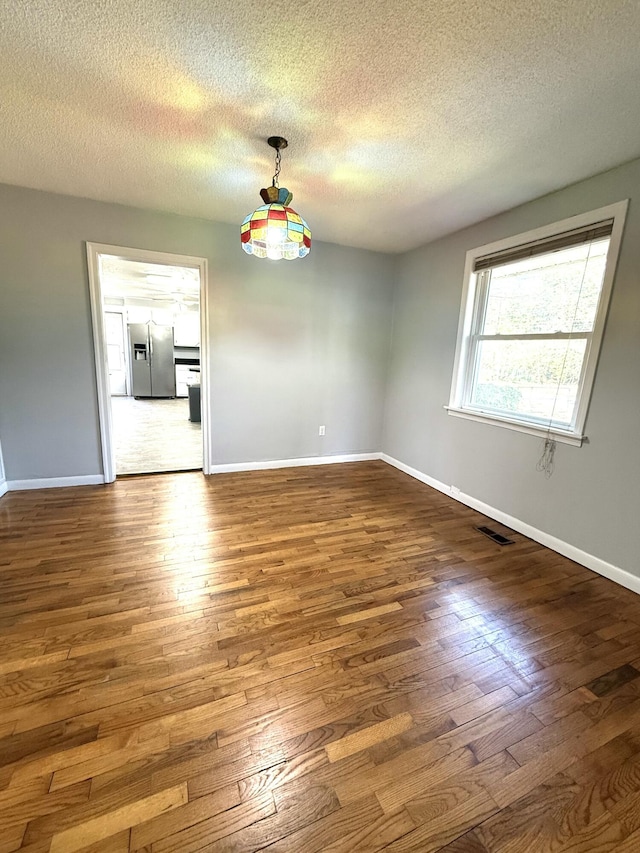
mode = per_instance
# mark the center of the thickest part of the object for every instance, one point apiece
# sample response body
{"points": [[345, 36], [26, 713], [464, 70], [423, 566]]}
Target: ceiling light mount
{"points": [[274, 230], [277, 142]]}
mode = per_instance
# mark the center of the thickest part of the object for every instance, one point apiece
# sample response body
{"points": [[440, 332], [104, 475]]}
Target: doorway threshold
{"points": [[159, 473]]}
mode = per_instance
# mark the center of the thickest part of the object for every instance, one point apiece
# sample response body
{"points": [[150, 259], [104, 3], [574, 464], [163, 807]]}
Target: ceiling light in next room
{"points": [[275, 230]]}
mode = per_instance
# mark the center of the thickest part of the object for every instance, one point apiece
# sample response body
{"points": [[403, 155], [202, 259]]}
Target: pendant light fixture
{"points": [[275, 230]]}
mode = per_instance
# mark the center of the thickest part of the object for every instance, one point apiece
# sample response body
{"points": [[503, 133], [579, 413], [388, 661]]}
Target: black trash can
{"points": [[194, 403]]}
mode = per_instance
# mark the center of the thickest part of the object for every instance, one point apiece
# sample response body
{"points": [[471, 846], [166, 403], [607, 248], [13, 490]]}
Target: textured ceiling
{"points": [[405, 120]]}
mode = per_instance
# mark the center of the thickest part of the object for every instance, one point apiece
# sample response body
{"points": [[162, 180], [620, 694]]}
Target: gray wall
{"points": [[592, 501], [293, 345]]}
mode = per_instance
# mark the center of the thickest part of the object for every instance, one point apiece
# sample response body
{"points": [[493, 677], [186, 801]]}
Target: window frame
{"points": [[472, 305]]}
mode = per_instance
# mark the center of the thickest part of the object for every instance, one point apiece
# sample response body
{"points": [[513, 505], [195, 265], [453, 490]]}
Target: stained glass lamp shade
{"points": [[275, 230]]}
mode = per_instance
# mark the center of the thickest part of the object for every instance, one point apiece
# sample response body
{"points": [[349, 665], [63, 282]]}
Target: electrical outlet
{"points": [[321, 430]]}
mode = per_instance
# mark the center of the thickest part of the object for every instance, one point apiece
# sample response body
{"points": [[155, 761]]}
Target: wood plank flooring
{"points": [[313, 659]]}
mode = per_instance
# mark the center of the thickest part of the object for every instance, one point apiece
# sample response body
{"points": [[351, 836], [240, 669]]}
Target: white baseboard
{"points": [[293, 463], [417, 475], [55, 482], [98, 479], [608, 570], [4, 487]]}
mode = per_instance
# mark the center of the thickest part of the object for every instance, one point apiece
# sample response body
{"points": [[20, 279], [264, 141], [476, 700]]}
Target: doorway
{"points": [[151, 345]]}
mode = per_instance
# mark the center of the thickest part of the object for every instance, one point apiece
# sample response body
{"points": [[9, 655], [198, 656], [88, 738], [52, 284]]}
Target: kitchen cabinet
{"points": [[185, 376], [186, 329]]}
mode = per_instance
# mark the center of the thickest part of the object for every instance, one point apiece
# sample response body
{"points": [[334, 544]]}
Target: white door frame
{"points": [[3, 477], [94, 250]]}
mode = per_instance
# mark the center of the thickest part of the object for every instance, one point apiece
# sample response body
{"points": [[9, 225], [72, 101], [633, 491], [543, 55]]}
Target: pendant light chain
{"points": [[277, 172]]}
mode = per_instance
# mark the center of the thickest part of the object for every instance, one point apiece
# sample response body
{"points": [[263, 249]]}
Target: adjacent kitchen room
{"points": [[152, 336]]}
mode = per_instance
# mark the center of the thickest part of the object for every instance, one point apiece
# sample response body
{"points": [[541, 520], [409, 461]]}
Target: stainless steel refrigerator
{"points": [[152, 363]]}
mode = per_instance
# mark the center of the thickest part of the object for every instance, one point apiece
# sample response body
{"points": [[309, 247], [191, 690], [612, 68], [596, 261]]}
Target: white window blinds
{"points": [[541, 247]]}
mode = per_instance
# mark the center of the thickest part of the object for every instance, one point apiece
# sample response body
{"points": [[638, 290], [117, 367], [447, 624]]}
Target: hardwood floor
{"points": [[313, 659]]}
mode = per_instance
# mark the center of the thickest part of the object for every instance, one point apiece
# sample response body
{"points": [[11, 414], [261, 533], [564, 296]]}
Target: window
{"points": [[531, 323]]}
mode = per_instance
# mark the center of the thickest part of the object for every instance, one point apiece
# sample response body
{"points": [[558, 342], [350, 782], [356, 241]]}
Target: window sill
{"points": [[540, 431]]}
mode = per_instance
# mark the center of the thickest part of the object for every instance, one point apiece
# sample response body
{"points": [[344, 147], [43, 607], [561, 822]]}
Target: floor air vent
{"points": [[496, 537]]}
